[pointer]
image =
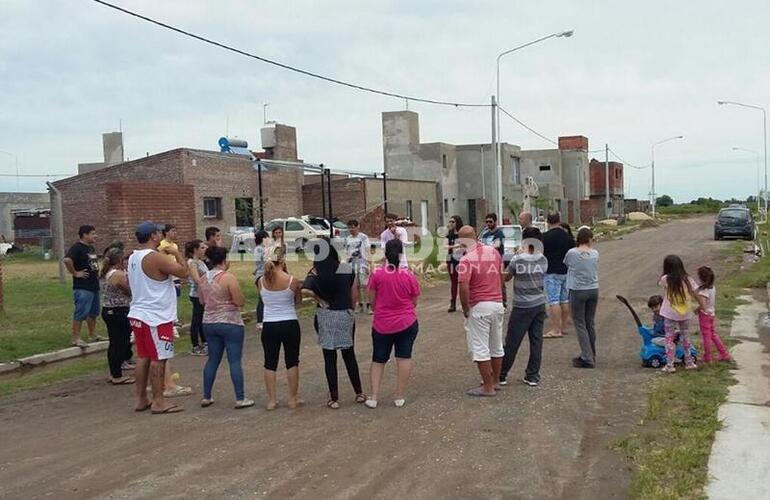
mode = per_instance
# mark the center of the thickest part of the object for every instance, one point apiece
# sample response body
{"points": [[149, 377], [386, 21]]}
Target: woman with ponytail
{"points": [[393, 292], [280, 292]]}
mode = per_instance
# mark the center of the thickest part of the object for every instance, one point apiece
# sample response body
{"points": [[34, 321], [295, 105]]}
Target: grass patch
{"points": [[36, 380], [670, 447]]}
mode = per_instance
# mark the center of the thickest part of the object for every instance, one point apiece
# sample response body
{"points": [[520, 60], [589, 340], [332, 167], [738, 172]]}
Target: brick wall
{"points": [[591, 210], [348, 198], [129, 203], [84, 197], [596, 175], [573, 142]]}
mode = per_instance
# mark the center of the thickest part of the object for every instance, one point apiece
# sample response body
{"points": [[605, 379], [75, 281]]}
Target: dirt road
{"points": [[81, 440]]}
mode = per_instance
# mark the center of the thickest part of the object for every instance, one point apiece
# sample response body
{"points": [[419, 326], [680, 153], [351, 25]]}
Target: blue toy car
{"points": [[653, 355]]}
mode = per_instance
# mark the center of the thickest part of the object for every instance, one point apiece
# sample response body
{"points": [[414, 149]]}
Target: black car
{"points": [[734, 221]]}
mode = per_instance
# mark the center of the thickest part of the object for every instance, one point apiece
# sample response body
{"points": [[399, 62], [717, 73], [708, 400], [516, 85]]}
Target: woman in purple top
{"points": [[393, 292]]}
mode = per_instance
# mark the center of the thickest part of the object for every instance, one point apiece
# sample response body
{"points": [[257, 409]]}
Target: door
{"points": [[472, 213], [424, 216]]}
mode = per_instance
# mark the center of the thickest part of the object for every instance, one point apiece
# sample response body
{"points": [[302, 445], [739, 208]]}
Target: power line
{"points": [[528, 127], [286, 66], [625, 163]]}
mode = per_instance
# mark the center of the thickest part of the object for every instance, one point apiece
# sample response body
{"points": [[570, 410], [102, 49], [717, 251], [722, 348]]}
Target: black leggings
{"points": [[277, 333], [119, 332], [351, 365], [196, 323]]}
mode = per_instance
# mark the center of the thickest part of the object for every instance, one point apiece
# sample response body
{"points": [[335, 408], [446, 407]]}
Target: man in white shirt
{"points": [[152, 313], [394, 232], [358, 249]]}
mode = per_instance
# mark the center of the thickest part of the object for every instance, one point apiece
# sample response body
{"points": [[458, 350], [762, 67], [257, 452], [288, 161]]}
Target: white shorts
{"points": [[484, 331]]}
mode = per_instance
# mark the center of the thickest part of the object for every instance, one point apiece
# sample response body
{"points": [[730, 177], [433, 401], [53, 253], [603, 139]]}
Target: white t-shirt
{"points": [[357, 248], [710, 294], [402, 235]]}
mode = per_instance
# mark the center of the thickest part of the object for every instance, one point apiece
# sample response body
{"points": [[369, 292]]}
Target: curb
{"points": [[62, 354]]}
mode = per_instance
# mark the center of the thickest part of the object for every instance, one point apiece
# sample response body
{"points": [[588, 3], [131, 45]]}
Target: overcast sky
{"points": [[634, 73]]}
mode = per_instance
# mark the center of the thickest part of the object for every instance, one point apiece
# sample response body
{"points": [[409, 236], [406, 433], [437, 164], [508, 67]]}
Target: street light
{"points": [[764, 134], [756, 153], [654, 196], [496, 115], [16, 161]]}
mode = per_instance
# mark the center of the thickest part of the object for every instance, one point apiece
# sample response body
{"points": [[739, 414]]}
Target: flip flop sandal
{"points": [[478, 393], [170, 409], [124, 381], [361, 398], [144, 408], [552, 336], [334, 405]]}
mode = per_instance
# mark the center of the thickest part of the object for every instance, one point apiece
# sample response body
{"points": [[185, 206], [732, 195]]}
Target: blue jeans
{"points": [[223, 337]]}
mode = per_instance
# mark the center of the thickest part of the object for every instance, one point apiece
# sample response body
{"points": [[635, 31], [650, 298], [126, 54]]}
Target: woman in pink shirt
{"points": [[393, 292]]}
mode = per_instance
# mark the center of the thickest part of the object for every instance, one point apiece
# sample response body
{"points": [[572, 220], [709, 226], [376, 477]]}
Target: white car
{"points": [[511, 241], [296, 231]]}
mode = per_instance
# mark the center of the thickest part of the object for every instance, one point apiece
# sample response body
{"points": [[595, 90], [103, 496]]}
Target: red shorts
{"points": [[153, 342]]}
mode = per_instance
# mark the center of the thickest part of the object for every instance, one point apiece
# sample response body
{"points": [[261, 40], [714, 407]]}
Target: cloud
{"points": [[632, 74]]}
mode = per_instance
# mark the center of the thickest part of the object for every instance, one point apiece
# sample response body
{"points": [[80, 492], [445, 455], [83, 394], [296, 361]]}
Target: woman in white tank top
{"points": [[280, 292]]}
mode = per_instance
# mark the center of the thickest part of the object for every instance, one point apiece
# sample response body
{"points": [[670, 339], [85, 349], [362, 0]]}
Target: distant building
{"points": [[190, 188], [112, 144], [19, 202]]}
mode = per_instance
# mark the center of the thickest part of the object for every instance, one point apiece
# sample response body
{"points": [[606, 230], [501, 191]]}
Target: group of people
{"points": [[554, 275], [140, 292]]}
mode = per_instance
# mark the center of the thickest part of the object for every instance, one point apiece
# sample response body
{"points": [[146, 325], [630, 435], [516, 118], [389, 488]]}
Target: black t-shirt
{"points": [[84, 258], [338, 293], [556, 243]]}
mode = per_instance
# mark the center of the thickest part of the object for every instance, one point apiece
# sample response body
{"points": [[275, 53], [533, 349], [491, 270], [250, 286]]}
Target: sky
{"points": [[634, 73]]}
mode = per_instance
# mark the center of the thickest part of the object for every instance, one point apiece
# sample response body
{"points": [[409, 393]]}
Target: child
{"points": [[706, 316], [658, 328], [677, 309]]}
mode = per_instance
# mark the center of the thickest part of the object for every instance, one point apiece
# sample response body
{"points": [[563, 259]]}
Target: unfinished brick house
{"points": [[190, 188]]}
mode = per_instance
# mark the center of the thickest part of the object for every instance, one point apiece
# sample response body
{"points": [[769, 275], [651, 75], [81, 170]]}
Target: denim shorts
{"points": [[556, 289], [86, 304], [383, 344]]}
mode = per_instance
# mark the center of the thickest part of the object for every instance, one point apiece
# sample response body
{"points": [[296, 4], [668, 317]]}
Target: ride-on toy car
{"points": [[653, 355]]}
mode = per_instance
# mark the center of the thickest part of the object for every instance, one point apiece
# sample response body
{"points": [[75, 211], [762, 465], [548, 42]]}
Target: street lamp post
{"points": [[654, 196], [756, 154], [764, 134], [496, 115]]}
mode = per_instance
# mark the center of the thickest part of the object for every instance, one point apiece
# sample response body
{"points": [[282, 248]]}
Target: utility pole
{"points": [[607, 205], [498, 167]]}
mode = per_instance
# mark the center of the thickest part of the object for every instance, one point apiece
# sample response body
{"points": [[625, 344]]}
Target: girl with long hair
{"points": [[454, 254], [707, 316], [679, 303], [195, 251], [333, 285], [280, 293]]}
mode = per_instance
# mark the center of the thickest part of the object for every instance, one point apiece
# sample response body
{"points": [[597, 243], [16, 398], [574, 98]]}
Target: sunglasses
{"points": [[490, 222]]}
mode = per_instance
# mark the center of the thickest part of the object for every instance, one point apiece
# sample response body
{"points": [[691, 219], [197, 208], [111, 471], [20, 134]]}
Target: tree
{"points": [[664, 201], [514, 208]]}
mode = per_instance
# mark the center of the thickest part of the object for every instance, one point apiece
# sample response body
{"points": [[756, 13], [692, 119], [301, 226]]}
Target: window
{"points": [[545, 168], [244, 212], [212, 208], [272, 225], [443, 161], [293, 225], [515, 170], [409, 213], [617, 173], [446, 205]]}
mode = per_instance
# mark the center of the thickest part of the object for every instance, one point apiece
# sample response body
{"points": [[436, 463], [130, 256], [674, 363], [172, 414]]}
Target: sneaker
{"points": [[529, 382], [177, 391], [502, 381], [369, 309], [205, 350], [668, 369], [128, 365], [176, 332], [205, 403], [243, 403], [196, 351], [581, 363], [452, 308], [371, 403], [691, 366]]}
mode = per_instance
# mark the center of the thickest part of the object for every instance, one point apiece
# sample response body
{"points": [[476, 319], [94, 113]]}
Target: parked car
{"points": [[511, 241], [734, 221], [297, 231]]}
